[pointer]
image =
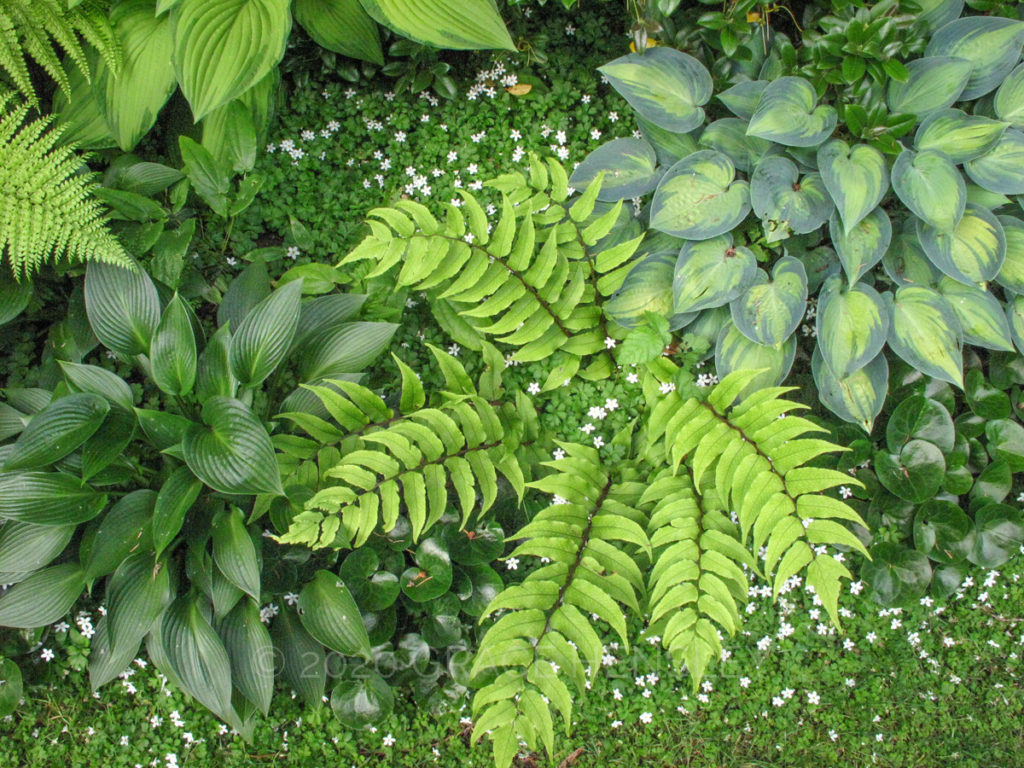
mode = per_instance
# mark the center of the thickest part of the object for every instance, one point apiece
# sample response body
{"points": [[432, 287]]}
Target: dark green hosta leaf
{"points": [[770, 310], [665, 86], [920, 418], [1001, 169], [1009, 99], [176, 497], [126, 528], [698, 198], [455, 24], [957, 135], [915, 473], [14, 297], [990, 43], [857, 179], [11, 687], [251, 652], [896, 574], [863, 246], [42, 598], [122, 306], [234, 552], [136, 595], [341, 26], [931, 187], [213, 370], [108, 443], [249, 288], [173, 350], [943, 531], [999, 532], [628, 165], [711, 273], [972, 252], [859, 397], [906, 263], [729, 136], [432, 575], [981, 316], [161, 428], [933, 83], [232, 453], [742, 98], [323, 312], [48, 498], [734, 351], [926, 333], [25, 547], [1011, 274], [57, 430], [345, 348], [786, 114], [304, 663], [1006, 442], [262, 339], [363, 701], [852, 326], [786, 203], [331, 616], [99, 381], [936, 13]]}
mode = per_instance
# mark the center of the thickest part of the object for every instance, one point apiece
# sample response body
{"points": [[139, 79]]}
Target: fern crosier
{"points": [[535, 282], [46, 210]]}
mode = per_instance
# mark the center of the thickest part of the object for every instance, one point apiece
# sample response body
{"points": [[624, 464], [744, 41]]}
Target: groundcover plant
{"points": [[228, 464]]}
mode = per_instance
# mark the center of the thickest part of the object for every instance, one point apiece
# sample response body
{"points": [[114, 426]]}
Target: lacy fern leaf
{"points": [[46, 211]]}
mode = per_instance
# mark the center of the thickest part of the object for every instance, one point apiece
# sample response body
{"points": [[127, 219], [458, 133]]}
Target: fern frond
{"points": [[46, 211]]}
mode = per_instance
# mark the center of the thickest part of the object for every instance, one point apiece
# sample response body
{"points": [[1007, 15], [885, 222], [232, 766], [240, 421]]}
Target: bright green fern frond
{"points": [[46, 211]]}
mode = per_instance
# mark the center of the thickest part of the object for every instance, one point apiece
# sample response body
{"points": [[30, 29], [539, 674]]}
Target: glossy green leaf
{"points": [[177, 495], [456, 24], [341, 26], [857, 179], [107, 445], [173, 350], [786, 114], [734, 352], [124, 529], [362, 701], [896, 574], [785, 202], [769, 311], [863, 246], [234, 553], [665, 86], [99, 381], [136, 595], [1011, 274], [670, 147], [852, 325], [959, 136], [920, 418], [25, 547], [303, 661], [628, 165], [1006, 442], [698, 197], [647, 288], [344, 348], [123, 307], [213, 370], [999, 533], [729, 136], [973, 252], [263, 338], [251, 651], [432, 575], [248, 289], [11, 687], [984, 400], [906, 263], [933, 83], [1015, 315], [992, 45], [14, 296], [931, 187], [43, 598], [711, 273], [1001, 169], [1009, 99], [936, 13], [926, 333], [331, 616], [48, 498], [981, 315], [741, 99], [915, 473], [57, 430]]}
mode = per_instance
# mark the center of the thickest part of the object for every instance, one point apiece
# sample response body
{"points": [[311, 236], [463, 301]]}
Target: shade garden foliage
{"points": [[796, 286]]}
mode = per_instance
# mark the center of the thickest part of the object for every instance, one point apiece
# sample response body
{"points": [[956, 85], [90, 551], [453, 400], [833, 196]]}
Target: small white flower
{"points": [[611, 404], [534, 388], [744, 682], [388, 741], [46, 654], [587, 428], [613, 116], [124, 741], [559, 454], [512, 563], [400, 137], [845, 492], [813, 697], [454, 349], [632, 378], [609, 342], [646, 717], [667, 386], [291, 598], [585, 98], [617, 694], [598, 442], [293, 252], [595, 134]]}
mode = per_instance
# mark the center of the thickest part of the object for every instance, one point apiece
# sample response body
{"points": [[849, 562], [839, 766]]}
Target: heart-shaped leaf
{"points": [[1011, 274], [628, 165], [734, 352], [1001, 169], [926, 333], [906, 263], [981, 316], [362, 701], [786, 114], [1009, 99], [57, 430], [711, 273], [852, 326], [770, 310], [862, 246], [920, 418], [698, 198], [784, 202], [729, 136], [857, 179], [432, 575], [959, 136], [972, 252], [943, 531], [897, 575], [931, 187], [647, 288], [1006, 442], [915, 473], [990, 43], [742, 99], [933, 83], [999, 532]]}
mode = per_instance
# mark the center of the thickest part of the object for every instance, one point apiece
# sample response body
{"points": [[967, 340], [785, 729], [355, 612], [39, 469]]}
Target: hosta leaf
{"points": [[853, 324], [25, 547], [906, 263], [1011, 274], [234, 552], [647, 288], [455, 24], [931, 187], [786, 114], [665, 86], [973, 252], [981, 315], [57, 430], [862, 246], [698, 197], [859, 397], [959, 136], [1009, 99], [770, 310], [734, 352], [857, 179], [670, 147], [173, 350], [933, 83], [711, 273], [741, 99], [175, 498], [1001, 169], [100, 381], [344, 348], [628, 166], [123, 307], [224, 47], [331, 616], [42, 598], [124, 529], [936, 13], [303, 661], [48, 498], [341, 26], [926, 333], [262, 339], [784, 201], [251, 651], [137, 593], [729, 136], [990, 43], [1015, 315]]}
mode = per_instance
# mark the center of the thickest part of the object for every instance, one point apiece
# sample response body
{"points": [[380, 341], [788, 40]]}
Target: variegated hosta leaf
{"points": [[1001, 169], [959, 136], [770, 310], [926, 333], [786, 203], [991, 43], [711, 273], [931, 187], [973, 252], [735, 352], [628, 165], [937, 13], [729, 136], [786, 114], [1009, 99], [859, 397], [666, 86], [864, 245], [857, 179], [1011, 275], [741, 99], [647, 288], [671, 147], [906, 263], [853, 324], [1015, 314], [933, 83], [981, 316], [698, 198]]}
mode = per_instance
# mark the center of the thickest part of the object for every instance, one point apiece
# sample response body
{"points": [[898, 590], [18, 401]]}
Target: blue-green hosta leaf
{"points": [[48, 498], [224, 47], [931, 187], [341, 26], [711, 273], [665, 86], [251, 651], [699, 199], [959, 136], [455, 24], [991, 43], [742, 98], [57, 430], [973, 252], [1009, 99], [770, 310], [1001, 169], [670, 147], [926, 333], [934, 83], [1015, 315], [859, 397], [857, 179], [981, 316], [42, 598], [232, 453], [729, 136], [629, 167], [864, 245], [786, 114], [936, 13], [1011, 275], [852, 325], [734, 352], [906, 263], [647, 288], [783, 201]]}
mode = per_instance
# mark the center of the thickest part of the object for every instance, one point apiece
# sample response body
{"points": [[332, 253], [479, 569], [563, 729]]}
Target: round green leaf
{"points": [[11, 687], [1006, 442], [1009, 99], [1001, 169], [734, 351], [698, 199], [958, 481], [42, 598], [859, 397], [331, 616], [915, 474], [852, 325], [896, 574], [665, 86], [973, 252], [991, 44], [455, 24], [946, 579], [782, 200], [981, 316], [999, 532], [711, 273], [341, 26], [926, 333], [992, 484], [770, 310], [729, 136], [933, 83], [786, 114], [943, 531], [361, 702], [48, 498], [864, 245], [857, 179], [920, 418], [957, 135], [479, 546], [1011, 274], [485, 584], [173, 350], [628, 165], [931, 187], [432, 575], [123, 307], [57, 430]]}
